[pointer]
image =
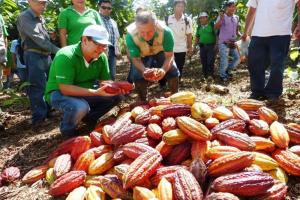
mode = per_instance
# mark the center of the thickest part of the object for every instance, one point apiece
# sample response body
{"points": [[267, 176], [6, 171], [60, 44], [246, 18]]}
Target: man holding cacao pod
{"points": [[73, 81], [270, 39], [150, 43]]}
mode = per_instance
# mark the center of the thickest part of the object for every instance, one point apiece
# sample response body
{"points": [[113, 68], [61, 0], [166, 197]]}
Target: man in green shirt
{"points": [[206, 39], [150, 44], [73, 74]]}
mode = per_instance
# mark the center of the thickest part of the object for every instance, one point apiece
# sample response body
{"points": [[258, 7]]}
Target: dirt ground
{"points": [[25, 147]]}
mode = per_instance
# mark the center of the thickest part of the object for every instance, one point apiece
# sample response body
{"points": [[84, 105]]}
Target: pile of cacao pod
{"points": [[177, 148]]}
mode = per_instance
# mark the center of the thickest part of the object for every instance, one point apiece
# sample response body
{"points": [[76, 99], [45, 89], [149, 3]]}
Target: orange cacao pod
{"points": [[101, 164], [263, 144], [98, 151], [219, 151], [193, 128], [287, 160], [250, 104], [174, 137], [185, 186], [165, 190], [279, 135], [258, 127], [185, 97], [239, 113], [294, 132], [230, 163], [222, 113], [267, 115], [142, 193], [142, 168], [35, 174], [81, 144], [84, 161]]}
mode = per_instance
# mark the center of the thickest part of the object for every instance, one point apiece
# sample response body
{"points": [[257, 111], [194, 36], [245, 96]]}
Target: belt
{"points": [[46, 53]]}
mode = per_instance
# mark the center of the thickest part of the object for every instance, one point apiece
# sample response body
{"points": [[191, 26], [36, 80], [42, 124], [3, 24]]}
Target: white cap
{"points": [[98, 33], [203, 14]]}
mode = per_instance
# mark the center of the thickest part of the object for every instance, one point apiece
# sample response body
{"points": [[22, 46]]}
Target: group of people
{"points": [[89, 46]]}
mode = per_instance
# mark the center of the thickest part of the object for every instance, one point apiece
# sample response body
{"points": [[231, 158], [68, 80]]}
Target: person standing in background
{"points": [[20, 68], [228, 23], [3, 48], [37, 49], [182, 28], [270, 39], [206, 39], [105, 9], [73, 20]]}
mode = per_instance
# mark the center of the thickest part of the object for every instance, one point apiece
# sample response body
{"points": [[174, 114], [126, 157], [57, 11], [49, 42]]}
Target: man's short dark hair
{"points": [[104, 1], [179, 1], [229, 3]]}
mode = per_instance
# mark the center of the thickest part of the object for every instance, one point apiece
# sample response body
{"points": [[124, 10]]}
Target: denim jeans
{"points": [[130, 73], [112, 62], [207, 55], [22, 74], [37, 73], [264, 51], [74, 109], [225, 65], [155, 61]]}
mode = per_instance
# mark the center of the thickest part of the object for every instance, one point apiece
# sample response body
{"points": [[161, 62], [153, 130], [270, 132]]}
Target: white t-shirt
{"points": [[273, 17], [180, 30]]}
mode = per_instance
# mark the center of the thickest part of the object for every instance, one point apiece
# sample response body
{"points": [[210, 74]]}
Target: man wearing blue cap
{"points": [[71, 86]]}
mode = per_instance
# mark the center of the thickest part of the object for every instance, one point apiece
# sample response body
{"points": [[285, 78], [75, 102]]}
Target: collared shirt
{"points": [[69, 68], [75, 22], [206, 34], [33, 32], [228, 30], [180, 31], [112, 29]]}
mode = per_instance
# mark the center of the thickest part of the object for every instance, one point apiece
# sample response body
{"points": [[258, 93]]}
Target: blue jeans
{"points": [[225, 65], [264, 51], [22, 74], [112, 62], [37, 73], [207, 55], [76, 108], [155, 61]]}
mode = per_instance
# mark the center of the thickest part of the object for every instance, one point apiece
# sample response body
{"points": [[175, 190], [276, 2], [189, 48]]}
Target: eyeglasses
{"points": [[106, 8]]}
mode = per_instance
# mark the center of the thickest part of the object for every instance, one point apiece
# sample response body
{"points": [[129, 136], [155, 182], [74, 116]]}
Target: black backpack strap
{"points": [[167, 20], [187, 23]]}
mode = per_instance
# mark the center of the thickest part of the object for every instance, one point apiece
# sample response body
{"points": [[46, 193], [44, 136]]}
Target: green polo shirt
{"points": [[75, 22], [168, 43], [68, 67], [206, 34]]}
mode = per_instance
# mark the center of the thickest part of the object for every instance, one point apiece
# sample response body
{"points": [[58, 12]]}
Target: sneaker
{"points": [[257, 97]]}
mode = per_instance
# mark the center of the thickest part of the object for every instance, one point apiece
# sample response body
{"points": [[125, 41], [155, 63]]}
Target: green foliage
{"points": [[15, 99]]}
